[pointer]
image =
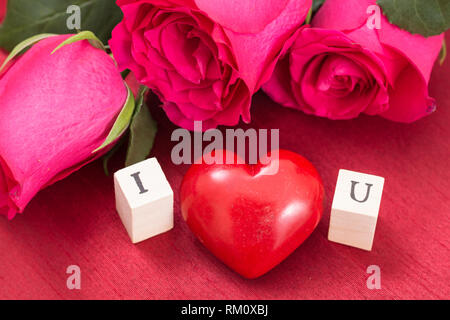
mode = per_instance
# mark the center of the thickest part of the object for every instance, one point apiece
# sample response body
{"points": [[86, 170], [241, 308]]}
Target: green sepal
{"points": [[83, 35], [23, 45], [122, 122], [443, 53]]}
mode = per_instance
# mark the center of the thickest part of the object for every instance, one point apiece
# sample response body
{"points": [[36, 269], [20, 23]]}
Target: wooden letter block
{"points": [[144, 200], [355, 207]]}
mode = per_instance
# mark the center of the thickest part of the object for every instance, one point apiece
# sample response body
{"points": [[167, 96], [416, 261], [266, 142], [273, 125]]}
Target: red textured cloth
{"points": [[74, 222]]}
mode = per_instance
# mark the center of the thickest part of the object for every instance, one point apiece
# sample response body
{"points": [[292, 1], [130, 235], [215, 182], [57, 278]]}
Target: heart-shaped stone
{"points": [[248, 219]]}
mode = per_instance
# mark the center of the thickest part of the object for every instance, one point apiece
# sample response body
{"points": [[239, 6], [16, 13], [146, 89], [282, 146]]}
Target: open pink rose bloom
{"points": [[204, 58], [55, 110], [341, 68]]}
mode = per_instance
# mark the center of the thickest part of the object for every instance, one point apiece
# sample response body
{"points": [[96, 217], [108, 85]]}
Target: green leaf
{"points": [[309, 16], [443, 53], [111, 153], [316, 5], [312, 11], [23, 45], [122, 122], [84, 35], [426, 17], [26, 18], [142, 132]]}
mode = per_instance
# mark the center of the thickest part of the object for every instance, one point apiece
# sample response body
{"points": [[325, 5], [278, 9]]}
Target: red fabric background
{"points": [[74, 222]]}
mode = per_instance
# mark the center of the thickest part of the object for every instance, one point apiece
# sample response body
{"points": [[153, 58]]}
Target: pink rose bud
{"points": [[204, 58], [55, 110], [342, 67]]}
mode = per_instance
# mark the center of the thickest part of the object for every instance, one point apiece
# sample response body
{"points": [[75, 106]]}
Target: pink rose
{"points": [[204, 58], [340, 67], [55, 110]]}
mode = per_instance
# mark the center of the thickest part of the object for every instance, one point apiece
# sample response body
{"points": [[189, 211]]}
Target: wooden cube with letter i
{"points": [[354, 212], [144, 200]]}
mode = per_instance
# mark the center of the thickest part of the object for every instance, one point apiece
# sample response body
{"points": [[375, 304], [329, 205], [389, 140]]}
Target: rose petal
{"points": [[120, 44], [409, 100], [342, 15], [421, 52], [243, 16], [255, 53]]}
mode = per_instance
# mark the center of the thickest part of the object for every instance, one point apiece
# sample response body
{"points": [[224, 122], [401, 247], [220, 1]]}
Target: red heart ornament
{"points": [[249, 220]]}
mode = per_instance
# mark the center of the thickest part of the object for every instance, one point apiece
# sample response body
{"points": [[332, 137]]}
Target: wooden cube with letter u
{"points": [[144, 200], [354, 212]]}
